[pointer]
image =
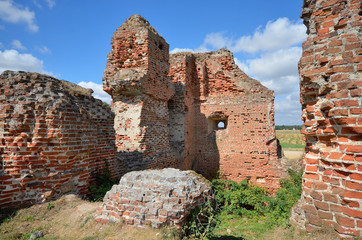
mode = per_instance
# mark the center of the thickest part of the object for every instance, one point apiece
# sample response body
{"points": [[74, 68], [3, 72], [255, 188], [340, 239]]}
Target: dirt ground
{"points": [[293, 155], [69, 218]]}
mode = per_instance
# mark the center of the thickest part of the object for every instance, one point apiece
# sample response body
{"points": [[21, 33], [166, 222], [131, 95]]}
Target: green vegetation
{"points": [[50, 206], [29, 218], [102, 184], [201, 222], [248, 209], [292, 146], [288, 127], [290, 139]]}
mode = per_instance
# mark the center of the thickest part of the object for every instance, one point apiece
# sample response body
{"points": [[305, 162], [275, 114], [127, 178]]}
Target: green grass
{"points": [[290, 139], [292, 146]]}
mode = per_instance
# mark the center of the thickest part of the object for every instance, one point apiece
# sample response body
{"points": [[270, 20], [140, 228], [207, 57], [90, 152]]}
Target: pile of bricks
{"points": [[53, 135], [154, 197], [330, 71]]}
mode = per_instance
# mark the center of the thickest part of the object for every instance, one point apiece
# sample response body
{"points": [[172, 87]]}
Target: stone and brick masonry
{"points": [[53, 134], [331, 84], [136, 77], [154, 197], [168, 109]]}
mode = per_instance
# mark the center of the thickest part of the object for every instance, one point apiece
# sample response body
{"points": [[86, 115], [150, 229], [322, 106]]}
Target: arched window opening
{"points": [[221, 124]]}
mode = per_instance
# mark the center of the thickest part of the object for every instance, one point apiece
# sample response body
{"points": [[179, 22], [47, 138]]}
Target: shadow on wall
{"points": [[206, 157], [142, 133]]}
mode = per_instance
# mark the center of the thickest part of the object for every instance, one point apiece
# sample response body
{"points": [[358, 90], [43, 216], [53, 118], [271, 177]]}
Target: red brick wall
{"points": [[330, 72], [210, 87], [52, 136], [136, 78]]}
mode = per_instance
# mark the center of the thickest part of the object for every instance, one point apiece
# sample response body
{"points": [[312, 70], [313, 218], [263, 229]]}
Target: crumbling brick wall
{"points": [[136, 78], [330, 73], [53, 135], [210, 88]]}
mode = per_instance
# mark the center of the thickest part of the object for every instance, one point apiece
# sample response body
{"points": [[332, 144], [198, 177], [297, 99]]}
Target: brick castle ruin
{"points": [[166, 111], [193, 111]]}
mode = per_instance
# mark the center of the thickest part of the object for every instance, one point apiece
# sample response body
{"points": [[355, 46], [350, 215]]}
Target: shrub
{"points": [[286, 197], [252, 201], [101, 185], [241, 198], [201, 222]]}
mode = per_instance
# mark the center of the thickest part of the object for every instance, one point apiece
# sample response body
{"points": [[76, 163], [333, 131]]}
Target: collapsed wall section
{"points": [[136, 77], [330, 72], [154, 197], [53, 135], [212, 90]]}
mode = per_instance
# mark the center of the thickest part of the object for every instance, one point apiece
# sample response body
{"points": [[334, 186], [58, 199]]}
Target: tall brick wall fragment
{"points": [[53, 135], [211, 88], [136, 77], [331, 84]]}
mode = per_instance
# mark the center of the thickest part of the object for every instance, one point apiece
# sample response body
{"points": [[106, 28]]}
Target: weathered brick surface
{"points": [[167, 109], [211, 88], [331, 86], [136, 78], [53, 134], [154, 197]]}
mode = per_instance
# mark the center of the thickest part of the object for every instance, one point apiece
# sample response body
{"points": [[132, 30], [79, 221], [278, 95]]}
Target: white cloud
{"points": [[276, 35], [98, 91], [241, 65], [288, 109], [177, 50], [217, 41], [14, 13], [282, 85], [18, 45], [40, 3], [13, 60], [282, 62], [50, 3], [277, 70], [200, 49], [43, 49]]}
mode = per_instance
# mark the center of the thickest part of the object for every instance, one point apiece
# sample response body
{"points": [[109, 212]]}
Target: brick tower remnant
{"points": [[136, 77], [331, 84], [53, 135]]}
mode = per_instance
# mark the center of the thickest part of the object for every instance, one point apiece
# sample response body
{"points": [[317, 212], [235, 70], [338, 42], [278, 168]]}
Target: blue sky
{"points": [[70, 39]]}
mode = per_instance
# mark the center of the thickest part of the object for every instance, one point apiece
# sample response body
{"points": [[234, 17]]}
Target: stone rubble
{"points": [[154, 197]]}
